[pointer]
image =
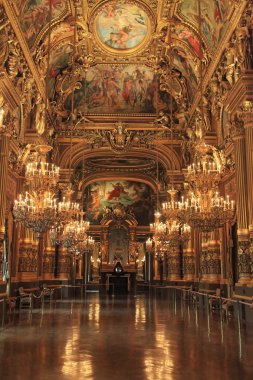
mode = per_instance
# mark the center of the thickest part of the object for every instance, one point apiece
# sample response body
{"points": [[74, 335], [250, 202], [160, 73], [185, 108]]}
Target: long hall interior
{"points": [[126, 201]]}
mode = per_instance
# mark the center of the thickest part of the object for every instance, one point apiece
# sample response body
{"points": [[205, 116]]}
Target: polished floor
{"points": [[121, 338]]}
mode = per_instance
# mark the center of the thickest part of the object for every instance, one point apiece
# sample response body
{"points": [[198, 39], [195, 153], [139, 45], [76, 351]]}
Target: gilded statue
{"points": [[119, 139], [231, 62], [40, 117], [163, 120]]}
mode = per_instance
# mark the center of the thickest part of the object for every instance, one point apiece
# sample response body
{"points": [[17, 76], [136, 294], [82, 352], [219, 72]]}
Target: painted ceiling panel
{"points": [[214, 17], [107, 30], [34, 16]]}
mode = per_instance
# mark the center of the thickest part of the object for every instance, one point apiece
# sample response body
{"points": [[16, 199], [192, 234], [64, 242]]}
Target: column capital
{"points": [[246, 113], [237, 130]]}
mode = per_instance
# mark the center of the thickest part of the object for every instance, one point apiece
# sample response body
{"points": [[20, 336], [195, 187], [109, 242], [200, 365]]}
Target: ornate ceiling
{"points": [[123, 77], [119, 45]]}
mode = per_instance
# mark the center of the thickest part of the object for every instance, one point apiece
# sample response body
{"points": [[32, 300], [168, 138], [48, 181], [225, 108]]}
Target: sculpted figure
{"points": [[231, 61], [40, 118]]}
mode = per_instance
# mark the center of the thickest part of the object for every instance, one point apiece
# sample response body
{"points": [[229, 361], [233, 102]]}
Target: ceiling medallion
{"points": [[122, 27]]}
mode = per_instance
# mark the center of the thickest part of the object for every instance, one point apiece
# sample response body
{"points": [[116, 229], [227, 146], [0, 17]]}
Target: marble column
{"points": [[244, 270]]}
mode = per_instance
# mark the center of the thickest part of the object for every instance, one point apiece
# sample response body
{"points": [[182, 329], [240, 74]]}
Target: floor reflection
{"points": [[125, 338]]}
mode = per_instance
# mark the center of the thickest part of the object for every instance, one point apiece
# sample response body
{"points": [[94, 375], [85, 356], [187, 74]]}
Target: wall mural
{"points": [[214, 17], [120, 89], [134, 195], [34, 15], [121, 25]]}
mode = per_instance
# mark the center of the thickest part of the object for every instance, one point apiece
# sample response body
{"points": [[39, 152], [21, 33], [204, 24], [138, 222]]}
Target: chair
{"points": [[227, 308], [215, 303], [25, 298], [11, 304], [47, 293]]}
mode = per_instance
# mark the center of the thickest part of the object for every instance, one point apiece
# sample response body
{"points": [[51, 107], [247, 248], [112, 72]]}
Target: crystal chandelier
{"points": [[173, 210], [206, 171], [37, 211], [149, 244], [86, 244], [41, 174], [158, 228], [67, 210], [71, 234], [37, 207], [207, 210]]}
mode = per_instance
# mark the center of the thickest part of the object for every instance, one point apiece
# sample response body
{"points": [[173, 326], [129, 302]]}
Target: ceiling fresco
{"points": [[123, 39], [34, 15], [120, 89], [214, 17], [122, 25]]}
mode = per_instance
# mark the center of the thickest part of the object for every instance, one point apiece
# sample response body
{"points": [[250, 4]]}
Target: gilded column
{"points": [[248, 125], [211, 263], [244, 270], [174, 265], [4, 154], [48, 259], [203, 258], [188, 261]]}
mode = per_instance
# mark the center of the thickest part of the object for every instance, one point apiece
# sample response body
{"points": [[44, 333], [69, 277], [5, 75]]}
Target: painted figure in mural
{"points": [[192, 41], [104, 197], [214, 17], [116, 193], [36, 15], [121, 88]]}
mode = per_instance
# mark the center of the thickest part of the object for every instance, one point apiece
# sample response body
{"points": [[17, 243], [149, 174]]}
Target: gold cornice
{"points": [[237, 14], [23, 44], [242, 90]]}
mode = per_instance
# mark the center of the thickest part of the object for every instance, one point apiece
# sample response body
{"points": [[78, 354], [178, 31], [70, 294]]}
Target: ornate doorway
{"points": [[118, 236], [119, 245]]}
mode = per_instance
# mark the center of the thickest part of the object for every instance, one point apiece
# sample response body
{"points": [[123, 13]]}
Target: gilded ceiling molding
{"points": [[166, 156], [23, 44]]}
